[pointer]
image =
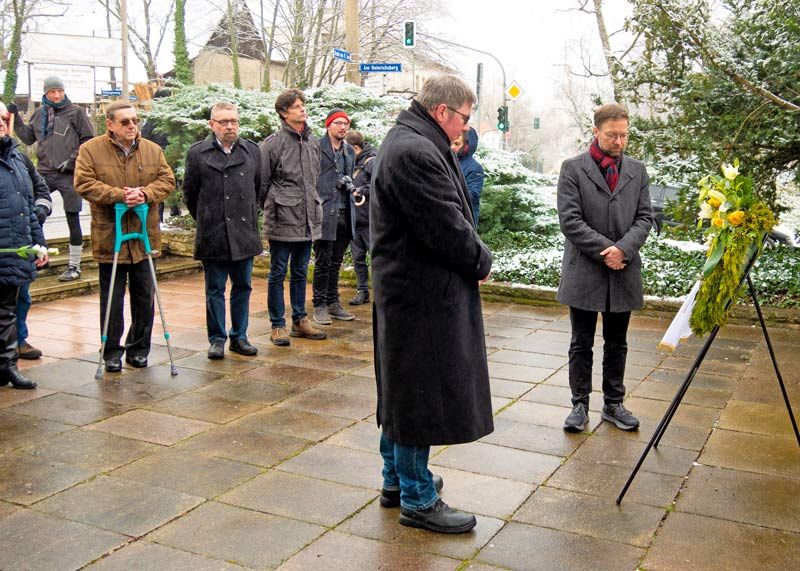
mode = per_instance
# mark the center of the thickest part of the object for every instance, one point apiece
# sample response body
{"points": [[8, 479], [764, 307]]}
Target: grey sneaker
{"points": [[336, 311], [321, 315], [72, 273], [620, 416], [577, 419]]}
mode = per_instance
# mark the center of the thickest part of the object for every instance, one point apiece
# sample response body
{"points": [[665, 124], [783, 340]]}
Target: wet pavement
{"points": [[273, 461]]}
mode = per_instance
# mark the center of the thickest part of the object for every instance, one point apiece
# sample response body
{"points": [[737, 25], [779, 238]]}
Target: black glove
{"points": [[12, 108], [41, 213]]}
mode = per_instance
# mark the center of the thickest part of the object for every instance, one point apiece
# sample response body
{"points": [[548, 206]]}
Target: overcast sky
{"points": [[530, 37]]}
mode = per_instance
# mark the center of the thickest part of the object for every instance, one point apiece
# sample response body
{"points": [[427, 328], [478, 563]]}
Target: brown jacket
{"points": [[101, 172]]}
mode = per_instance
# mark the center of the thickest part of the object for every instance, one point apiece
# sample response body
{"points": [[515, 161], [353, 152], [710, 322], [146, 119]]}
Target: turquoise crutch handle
{"points": [[120, 208]]}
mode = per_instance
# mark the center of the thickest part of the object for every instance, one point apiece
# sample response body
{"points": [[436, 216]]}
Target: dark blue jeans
{"points": [[23, 305], [280, 253], [406, 468], [216, 275], [615, 352]]}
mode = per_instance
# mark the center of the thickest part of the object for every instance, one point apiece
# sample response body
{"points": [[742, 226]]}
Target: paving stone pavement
{"points": [[272, 461]]}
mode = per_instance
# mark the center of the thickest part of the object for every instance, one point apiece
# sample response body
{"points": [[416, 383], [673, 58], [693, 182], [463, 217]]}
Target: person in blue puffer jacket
{"points": [[472, 169], [19, 227]]}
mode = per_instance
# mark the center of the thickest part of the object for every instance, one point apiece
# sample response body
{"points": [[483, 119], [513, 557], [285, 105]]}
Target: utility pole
{"points": [[352, 42], [123, 21]]}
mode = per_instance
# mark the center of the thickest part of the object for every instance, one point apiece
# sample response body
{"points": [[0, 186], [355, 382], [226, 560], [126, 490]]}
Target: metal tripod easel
{"points": [[141, 211], [676, 401]]}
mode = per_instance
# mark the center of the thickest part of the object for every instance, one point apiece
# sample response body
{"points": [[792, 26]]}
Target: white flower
{"points": [[730, 171], [42, 251], [706, 211]]}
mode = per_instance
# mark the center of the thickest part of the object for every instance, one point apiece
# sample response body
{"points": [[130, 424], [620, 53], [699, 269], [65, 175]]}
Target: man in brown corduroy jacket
{"points": [[120, 166]]}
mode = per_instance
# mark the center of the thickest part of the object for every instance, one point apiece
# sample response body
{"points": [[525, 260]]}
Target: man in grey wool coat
{"points": [[605, 215]]}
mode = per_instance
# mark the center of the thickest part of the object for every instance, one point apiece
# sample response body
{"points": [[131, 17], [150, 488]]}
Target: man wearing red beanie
{"points": [[337, 159]]}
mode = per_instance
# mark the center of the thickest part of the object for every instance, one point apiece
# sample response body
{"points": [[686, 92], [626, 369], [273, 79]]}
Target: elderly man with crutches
{"points": [[115, 169]]}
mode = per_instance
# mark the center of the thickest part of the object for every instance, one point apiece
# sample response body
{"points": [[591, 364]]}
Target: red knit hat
{"points": [[334, 115]]}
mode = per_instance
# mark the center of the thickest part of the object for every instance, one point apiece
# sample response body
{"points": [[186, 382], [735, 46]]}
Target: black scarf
{"points": [[48, 114]]}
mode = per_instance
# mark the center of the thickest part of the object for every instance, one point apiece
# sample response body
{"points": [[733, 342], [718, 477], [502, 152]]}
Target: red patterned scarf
{"points": [[609, 166]]}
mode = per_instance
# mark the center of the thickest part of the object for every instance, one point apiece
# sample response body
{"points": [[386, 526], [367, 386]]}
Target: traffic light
{"points": [[409, 34], [502, 119]]}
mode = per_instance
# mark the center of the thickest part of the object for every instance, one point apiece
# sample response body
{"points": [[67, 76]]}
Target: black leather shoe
{"points": [[391, 498], [243, 347], [217, 350], [113, 365], [136, 361], [440, 518], [19, 381]]}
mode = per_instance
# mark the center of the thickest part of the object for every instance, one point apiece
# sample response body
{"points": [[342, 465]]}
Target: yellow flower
{"points": [[736, 217], [730, 171], [714, 202], [717, 195], [717, 221]]}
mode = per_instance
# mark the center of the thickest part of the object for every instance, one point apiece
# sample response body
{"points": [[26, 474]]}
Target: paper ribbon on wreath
{"points": [[680, 330]]}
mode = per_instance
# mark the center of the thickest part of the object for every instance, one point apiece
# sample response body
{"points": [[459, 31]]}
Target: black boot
{"points": [[440, 518], [10, 374]]}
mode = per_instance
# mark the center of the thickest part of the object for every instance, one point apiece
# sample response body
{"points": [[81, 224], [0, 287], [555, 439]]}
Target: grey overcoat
{"points": [[593, 218]]}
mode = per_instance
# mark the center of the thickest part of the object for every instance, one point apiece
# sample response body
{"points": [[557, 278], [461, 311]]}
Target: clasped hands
{"points": [[134, 195], [614, 258]]}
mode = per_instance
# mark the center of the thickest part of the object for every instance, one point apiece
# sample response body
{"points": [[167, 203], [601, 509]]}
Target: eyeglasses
{"points": [[614, 136], [127, 122], [340, 123], [226, 122], [465, 117], [297, 106]]}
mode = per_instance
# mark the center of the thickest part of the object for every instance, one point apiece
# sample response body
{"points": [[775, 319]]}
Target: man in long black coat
{"points": [[221, 187], [428, 261]]}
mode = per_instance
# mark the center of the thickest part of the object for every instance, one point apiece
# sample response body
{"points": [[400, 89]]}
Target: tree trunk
{"points": [[183, 67], [237, 80], [611, 62], [10, 85]]}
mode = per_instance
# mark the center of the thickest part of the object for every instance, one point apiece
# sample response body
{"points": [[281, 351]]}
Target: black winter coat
{"points": [[71, 129], [427, 259], [18, 223], [326, 186], [222, 194], [362, 179]]}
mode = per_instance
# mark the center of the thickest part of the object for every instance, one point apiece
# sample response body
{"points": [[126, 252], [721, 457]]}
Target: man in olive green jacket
{"points": [[120, 166], [292, 214]]}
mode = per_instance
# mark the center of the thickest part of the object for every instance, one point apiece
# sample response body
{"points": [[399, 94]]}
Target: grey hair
{"points": [[447, 89], [223, 106]]}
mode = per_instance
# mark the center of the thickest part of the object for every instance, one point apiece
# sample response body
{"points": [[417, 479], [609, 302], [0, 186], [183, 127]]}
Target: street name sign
{"points": [[342, 55], [110, 92], [380, 67]]}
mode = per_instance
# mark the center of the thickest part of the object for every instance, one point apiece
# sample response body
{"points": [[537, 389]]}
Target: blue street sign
{"points": [[110, 92], [380, 67], [342, 54]]}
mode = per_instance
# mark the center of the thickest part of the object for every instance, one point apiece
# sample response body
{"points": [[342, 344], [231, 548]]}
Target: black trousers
{"points": [[140, 283], [328, 256], [8, 326], [615, 351]]}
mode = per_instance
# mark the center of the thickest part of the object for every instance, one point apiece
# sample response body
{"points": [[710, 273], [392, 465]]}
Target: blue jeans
{"points": [[280, 253], [406, 467], [216, 275], [23, 305]]}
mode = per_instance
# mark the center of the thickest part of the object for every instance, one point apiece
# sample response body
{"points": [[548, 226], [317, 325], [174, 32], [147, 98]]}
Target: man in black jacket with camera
{"points": [[337, 159]]}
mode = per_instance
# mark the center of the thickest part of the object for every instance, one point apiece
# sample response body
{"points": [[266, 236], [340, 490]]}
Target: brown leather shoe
{"points": [[279, 337], [304, 329]]}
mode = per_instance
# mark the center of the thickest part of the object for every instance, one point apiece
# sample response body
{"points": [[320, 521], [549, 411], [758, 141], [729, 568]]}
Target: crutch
{"points": [[141, 210]]}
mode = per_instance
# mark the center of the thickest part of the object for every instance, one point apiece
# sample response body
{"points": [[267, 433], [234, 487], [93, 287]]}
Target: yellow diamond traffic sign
{"points": [[514, 91]]}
